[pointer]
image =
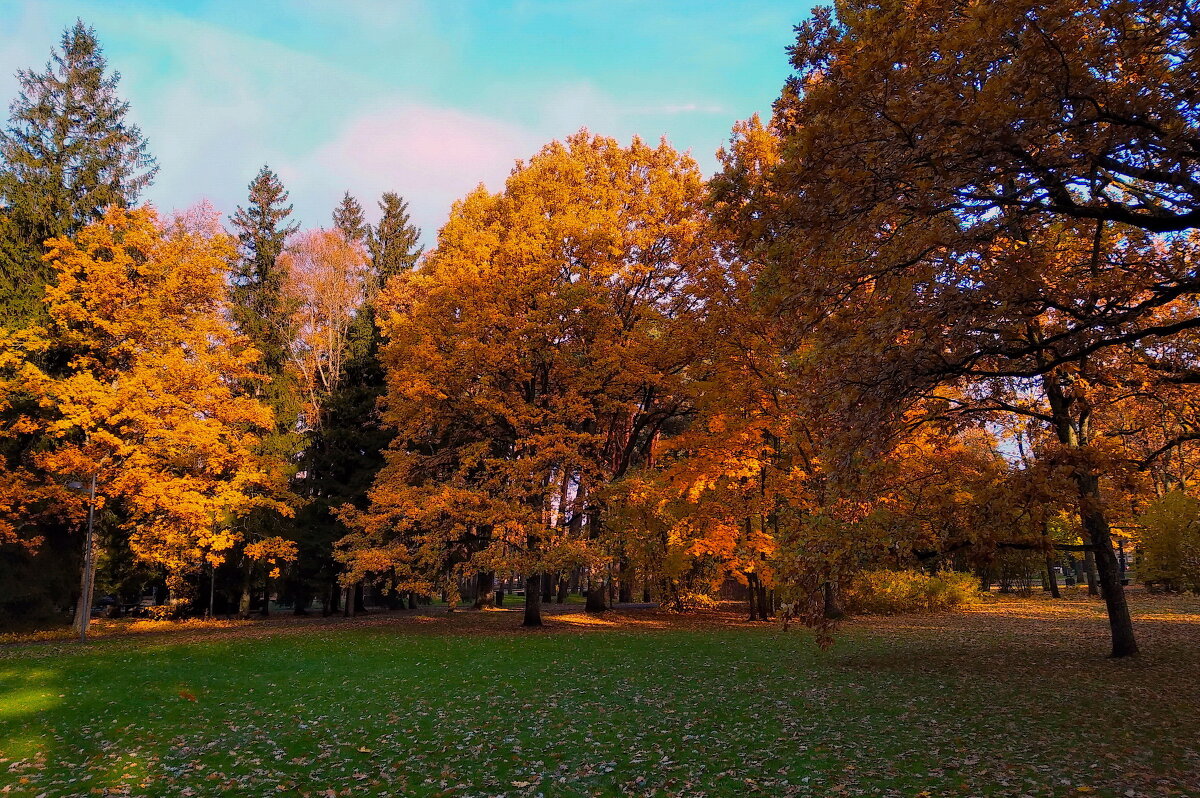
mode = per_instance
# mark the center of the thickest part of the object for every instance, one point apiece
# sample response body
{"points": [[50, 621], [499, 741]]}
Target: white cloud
{"points": [[431, 156]]}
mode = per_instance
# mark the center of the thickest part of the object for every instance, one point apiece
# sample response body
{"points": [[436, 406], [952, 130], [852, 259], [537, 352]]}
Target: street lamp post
{"points": [[83, 613]]}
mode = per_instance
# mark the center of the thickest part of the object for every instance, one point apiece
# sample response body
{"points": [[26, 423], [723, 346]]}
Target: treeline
{"points": [[192, 398], [939, 311]]}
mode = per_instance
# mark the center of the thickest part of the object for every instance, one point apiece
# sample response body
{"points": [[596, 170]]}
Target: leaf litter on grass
{"points": [[998, 701]]}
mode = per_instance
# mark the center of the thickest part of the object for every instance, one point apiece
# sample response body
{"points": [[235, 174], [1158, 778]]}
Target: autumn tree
{"points": [[151, 407], [1083, 109], [534, 359], [69, 151], [971, 194], [333, 286], [328, 283]]}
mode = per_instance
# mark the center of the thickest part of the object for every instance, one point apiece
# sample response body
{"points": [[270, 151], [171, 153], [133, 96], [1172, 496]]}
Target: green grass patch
{"points": [[387, 710]]}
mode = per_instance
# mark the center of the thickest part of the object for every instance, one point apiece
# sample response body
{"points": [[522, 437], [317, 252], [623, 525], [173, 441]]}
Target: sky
{"points": [[427, 98]]}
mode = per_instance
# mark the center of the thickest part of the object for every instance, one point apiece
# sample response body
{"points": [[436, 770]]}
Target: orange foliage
{"points": [[148, 398]]}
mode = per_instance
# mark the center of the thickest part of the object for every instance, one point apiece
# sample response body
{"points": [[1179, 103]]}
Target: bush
{"points": [[693, 600], [884, 592], [1171, 542]]}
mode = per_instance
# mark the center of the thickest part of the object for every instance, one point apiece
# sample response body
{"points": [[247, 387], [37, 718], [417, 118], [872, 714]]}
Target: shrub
{"points": [[693, 600], [885, 592], [1171, 542]]}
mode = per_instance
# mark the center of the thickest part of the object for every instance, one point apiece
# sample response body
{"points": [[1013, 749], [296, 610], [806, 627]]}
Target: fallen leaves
{"points": [[996, 701]]}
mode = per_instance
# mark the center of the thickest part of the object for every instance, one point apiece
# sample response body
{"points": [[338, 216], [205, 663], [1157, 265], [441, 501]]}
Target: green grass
{"points": [[398, 710]]}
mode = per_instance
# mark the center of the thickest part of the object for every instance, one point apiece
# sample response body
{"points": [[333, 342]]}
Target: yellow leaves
{"points": [[150, 401], [273, 550]]}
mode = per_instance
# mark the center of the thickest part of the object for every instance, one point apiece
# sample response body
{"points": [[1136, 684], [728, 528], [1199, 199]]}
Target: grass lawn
{"points": [[1012, 699]]}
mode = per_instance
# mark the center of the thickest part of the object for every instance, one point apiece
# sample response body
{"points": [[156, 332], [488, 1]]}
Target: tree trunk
{"points": [[485, 590], [412, 600], [330, 602], [833, 607], [625, 577], [1089, 568], [1095, 524], [1074, 434], [595, 597], [563, 584], [87, 579], [533, 600], [360, 598], [266, 607], [244, 601], [547, 588], [752, 598], [625, 593], [1052, 577], [301, 598]]}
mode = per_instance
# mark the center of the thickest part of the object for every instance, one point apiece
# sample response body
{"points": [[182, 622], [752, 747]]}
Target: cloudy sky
{"points": [[423, 98]]}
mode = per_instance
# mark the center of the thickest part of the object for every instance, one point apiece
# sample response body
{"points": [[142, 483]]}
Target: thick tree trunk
{"points": [[301, 598], [533, 600], [646, 592], [1052, 577], [547, 588], [561, 598], [499, 597], [485, 590], [266, 607], [595, 596], [625, 577], [752, 597], [360, 598], [412, 600], [1095, 524], [625, 594], [1074, 434]]}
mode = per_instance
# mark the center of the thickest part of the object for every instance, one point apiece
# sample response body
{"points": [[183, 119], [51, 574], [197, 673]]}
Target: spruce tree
{"points": [[346, 450], [348, 220], [262, 312], [394, 242], [257, 281], [68, 152]]}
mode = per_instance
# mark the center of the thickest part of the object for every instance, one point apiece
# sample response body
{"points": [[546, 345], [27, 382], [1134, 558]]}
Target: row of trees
{"points": [[942, 306], [201, 397], [944, 302]]}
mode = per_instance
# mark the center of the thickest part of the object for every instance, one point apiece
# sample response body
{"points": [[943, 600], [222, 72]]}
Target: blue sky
{"points": [[423, 98]]}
